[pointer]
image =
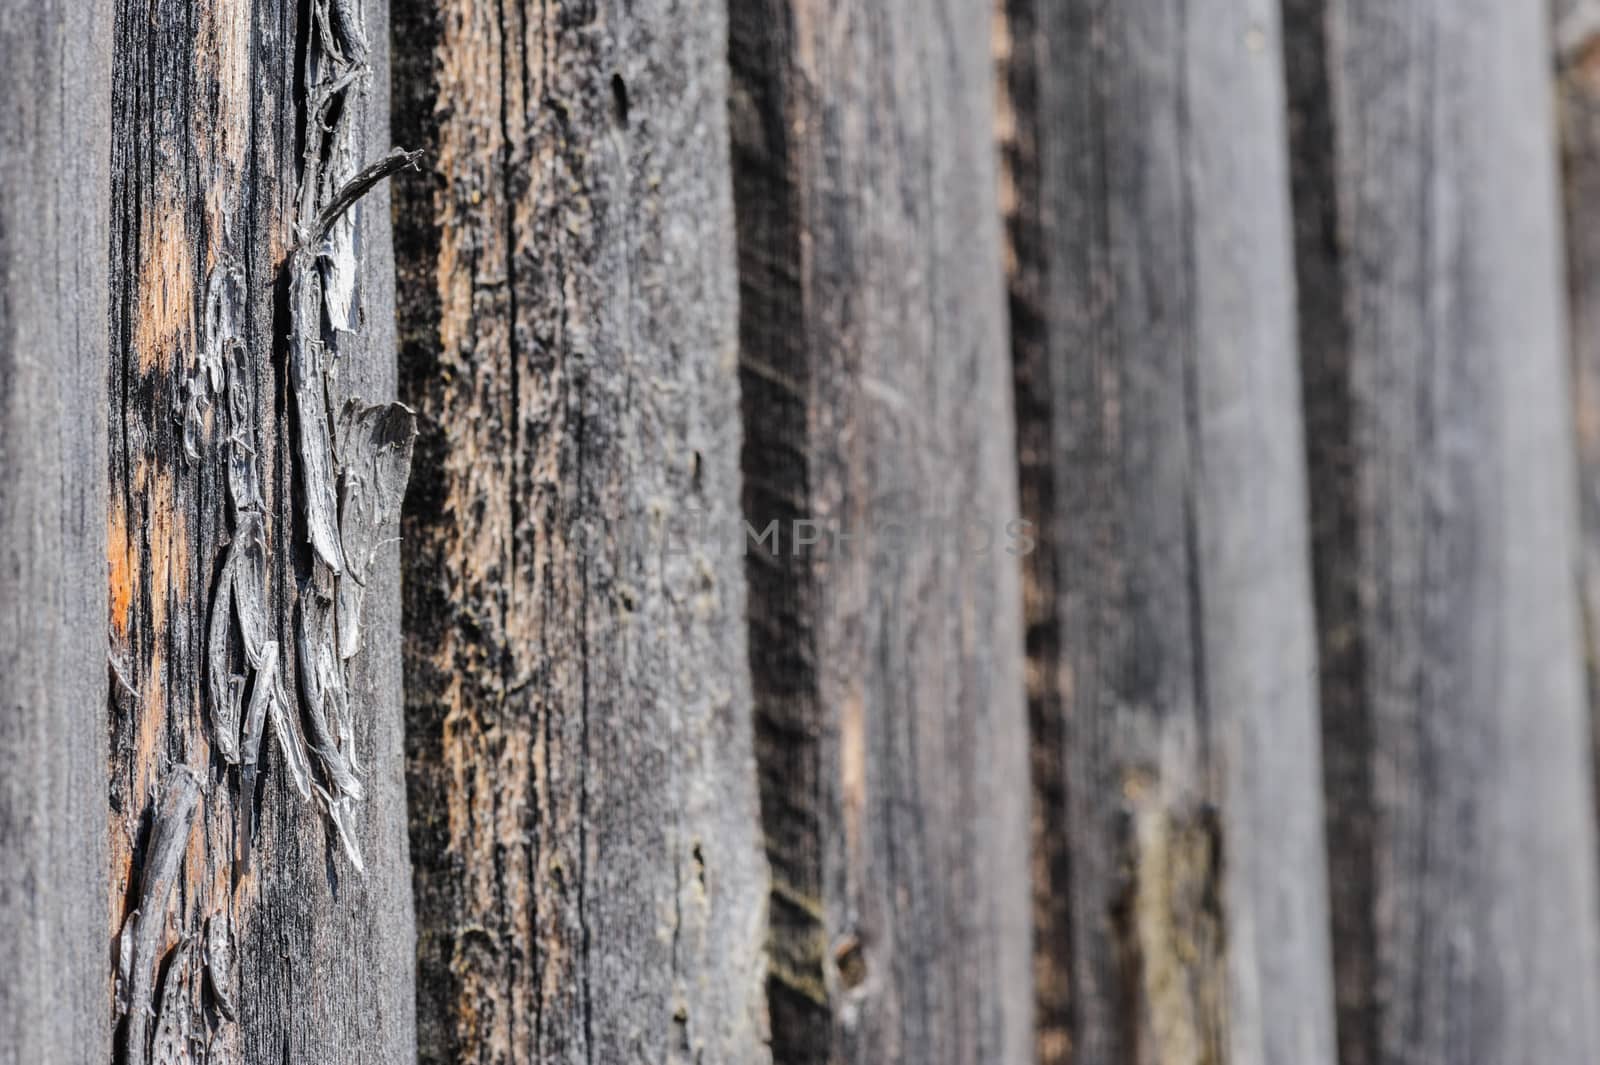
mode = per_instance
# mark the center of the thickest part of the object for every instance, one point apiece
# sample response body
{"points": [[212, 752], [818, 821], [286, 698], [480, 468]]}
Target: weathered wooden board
{"points": [[590, 884], [1459, 786], [890, 715], [56, 83], [1182, 903], [246, 929]]}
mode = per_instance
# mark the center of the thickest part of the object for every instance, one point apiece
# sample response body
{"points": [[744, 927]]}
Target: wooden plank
{"points": [[56, 81], [890, 718], [589, 879], [1459, 785], [249, 927], [1181, 897]]}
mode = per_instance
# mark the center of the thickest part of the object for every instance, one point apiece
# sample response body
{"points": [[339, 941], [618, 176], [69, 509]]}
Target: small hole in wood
{"points": [[619, 100], [851, 961]]}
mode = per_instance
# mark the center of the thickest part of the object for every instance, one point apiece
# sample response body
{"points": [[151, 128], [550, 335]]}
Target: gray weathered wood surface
{"points": [[589, 876], [251, 935], [738, 716], [1182, 900], [890, 715], [54, 130], [1459, 787]]}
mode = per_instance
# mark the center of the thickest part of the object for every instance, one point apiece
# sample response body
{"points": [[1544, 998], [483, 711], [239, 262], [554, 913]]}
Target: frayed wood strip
{"points": [[143, 931]]}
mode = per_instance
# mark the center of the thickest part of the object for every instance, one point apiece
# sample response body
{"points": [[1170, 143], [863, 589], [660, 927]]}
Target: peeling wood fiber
{"points": [[1182, 906], [589, 879], [890, 722], [54, 185], [266, 941], [1460, 805]]}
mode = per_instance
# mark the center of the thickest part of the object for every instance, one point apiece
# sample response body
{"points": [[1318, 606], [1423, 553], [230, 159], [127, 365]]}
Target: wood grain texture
{"points": [[1182, 901], [54, 190], [891, 729], [1459, 786], [589, 877], [268, 945]]}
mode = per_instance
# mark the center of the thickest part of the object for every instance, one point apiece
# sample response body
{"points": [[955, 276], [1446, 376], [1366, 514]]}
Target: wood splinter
{"points": [[140, 943]]}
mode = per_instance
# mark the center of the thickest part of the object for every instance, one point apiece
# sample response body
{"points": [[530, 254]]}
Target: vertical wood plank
{"points": [[890, 721], [247, 927], [589, 876], [1182, 899], [1459, 787], [54, 189]]}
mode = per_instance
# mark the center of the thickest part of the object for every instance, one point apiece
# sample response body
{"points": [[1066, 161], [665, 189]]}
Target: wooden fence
{"points": [[934, 531]]}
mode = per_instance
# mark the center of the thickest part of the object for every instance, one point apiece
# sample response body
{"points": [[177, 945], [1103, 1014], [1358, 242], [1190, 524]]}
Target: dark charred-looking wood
{"points": [[56, 986], [891, 729], [1460, 816], [273, 946], [1019, 51], [1181, 904], [589, 879]]}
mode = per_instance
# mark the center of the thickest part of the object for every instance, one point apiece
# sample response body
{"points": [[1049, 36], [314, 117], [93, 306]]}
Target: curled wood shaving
{"points": [[375, 444], [142, 931], [219, 963], [352, 462]]}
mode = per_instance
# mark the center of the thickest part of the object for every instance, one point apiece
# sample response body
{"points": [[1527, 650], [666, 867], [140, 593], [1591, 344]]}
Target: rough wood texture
{"points": [[589, 878], [891, 732], [246, 934], [54, 129], [1183, 909], [1460, 817]]}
